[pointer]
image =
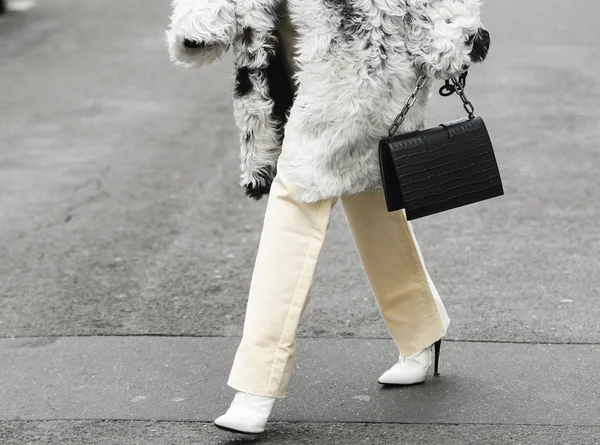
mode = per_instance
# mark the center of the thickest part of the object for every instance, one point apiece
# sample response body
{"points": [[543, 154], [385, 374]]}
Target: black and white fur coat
{"points": [[357, 61]]}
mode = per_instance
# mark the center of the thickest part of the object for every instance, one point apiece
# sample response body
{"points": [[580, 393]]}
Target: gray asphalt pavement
{"points": [[171, 378], [187, 433], [120, 216]]}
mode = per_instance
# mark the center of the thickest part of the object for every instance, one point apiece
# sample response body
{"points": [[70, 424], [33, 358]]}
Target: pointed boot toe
{"points": [[403, 374], [248, 414], [412, 369], [240, 425]]}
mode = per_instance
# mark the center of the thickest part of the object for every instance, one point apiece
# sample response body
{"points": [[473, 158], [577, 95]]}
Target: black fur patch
{"points": [[247, 36], [280, 88], [481, 45], [353, 24], [243, 85], [258, 192]]}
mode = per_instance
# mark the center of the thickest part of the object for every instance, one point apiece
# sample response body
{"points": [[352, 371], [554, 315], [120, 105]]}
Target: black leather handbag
{"points": [[442, 168]]}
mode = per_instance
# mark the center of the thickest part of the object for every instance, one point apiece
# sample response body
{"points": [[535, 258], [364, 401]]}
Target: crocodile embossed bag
{"points": [[442, 168]]}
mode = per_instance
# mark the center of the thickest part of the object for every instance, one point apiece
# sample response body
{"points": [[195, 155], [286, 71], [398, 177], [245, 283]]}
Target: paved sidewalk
{"points": [[483, 397], [172, 378], [126, 248]]}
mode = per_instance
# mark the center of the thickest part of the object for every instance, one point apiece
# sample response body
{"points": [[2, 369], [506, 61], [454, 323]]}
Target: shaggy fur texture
{"points": [[257, 110], [439, 34], [357, 62], [211, 22]]}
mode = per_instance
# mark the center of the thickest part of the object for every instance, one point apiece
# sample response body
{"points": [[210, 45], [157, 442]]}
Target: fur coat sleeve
{"points": [[435, 35], [262, 95], [201, 31]]}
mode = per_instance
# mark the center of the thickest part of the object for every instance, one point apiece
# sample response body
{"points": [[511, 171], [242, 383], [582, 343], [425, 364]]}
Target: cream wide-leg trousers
{"points": [[291, 240]]}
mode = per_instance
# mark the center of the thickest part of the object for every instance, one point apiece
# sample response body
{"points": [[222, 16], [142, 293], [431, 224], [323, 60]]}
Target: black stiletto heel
{"points": [[436, 363]]}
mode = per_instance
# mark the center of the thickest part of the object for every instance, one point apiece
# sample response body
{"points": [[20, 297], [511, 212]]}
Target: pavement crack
{"points": [[310, 422], [237, 338]]}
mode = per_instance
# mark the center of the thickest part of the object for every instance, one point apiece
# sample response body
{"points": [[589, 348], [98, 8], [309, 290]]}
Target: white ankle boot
{"points": [[248, 414], [412, 369]]}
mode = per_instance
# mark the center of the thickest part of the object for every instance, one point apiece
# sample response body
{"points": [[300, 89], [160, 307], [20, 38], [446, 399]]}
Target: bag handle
{"points": [[457, 87]]}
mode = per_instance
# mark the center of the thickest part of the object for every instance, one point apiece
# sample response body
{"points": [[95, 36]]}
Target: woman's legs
{"points": [[291, 240], [392, 260]]}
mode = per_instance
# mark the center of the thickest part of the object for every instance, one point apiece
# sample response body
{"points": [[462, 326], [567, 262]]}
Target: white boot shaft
{"points": [[247, 414], [409, 370]]}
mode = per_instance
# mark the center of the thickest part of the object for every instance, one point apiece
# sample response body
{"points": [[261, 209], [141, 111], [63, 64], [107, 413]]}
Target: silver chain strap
{"points": [[410, 101], [468, 106]]}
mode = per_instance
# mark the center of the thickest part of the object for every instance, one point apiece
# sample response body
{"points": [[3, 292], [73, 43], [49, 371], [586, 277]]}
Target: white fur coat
{"points": [[357, 62]]}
